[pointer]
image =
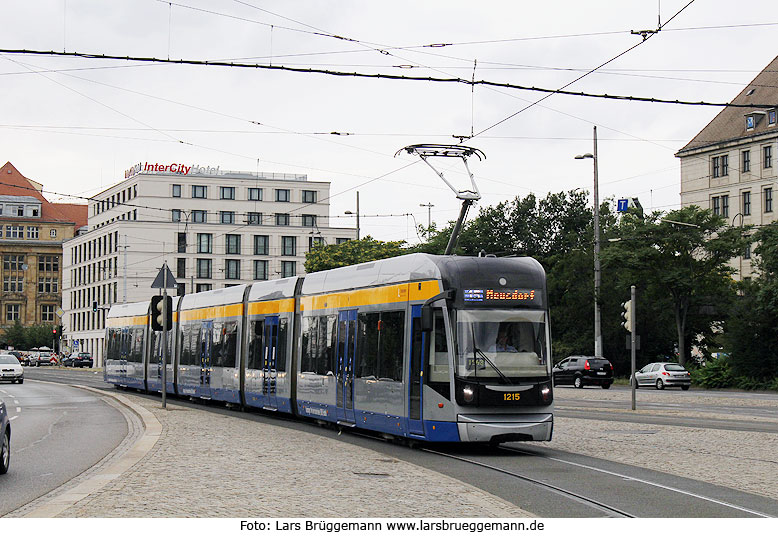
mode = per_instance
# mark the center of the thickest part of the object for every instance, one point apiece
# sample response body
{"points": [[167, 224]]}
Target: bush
{"points": [[716, 373]]}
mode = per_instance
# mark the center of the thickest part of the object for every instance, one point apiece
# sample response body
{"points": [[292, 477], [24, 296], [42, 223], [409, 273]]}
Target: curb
{"points": [[151, 434]]}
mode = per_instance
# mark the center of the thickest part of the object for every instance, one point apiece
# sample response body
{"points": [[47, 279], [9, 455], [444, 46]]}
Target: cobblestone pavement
{"points": [[210, 465], [745, 461]]}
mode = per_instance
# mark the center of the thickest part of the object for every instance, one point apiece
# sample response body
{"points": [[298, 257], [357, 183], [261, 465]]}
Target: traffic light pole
{"points": [[632, 348], [164, 336]]}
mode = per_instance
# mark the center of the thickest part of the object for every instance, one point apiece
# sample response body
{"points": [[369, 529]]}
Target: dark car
{"points": [[83, 359], [584, 371], [5, 440]]}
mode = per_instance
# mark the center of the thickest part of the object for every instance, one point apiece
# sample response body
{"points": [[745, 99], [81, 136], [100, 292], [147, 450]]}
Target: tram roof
{"points": [[275, 289], [212, 298], [139, 308]]}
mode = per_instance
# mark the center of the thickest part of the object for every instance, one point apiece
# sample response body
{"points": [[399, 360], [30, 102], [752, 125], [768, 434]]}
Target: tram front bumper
{"points": [[505, 428]]}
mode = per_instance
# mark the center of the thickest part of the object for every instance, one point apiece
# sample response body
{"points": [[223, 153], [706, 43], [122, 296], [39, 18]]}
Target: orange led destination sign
{"points": [[489, 294]]}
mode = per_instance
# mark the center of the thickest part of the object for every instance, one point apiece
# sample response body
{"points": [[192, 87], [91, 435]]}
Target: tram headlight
{"points": [[545, 393], [468, 394]]}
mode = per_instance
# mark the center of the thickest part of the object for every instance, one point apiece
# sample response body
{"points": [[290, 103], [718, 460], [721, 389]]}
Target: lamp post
{"points": [[349, 212], [429, 206], [597, 276]]}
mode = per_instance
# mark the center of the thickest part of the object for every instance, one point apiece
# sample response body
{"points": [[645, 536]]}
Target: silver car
{"points": [[661, 375]]}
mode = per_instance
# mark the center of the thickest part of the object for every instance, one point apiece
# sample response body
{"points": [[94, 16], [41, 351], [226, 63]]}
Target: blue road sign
{"points": [[623, 204]]}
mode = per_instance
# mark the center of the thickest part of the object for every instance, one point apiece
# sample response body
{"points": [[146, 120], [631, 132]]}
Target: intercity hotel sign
{"points": [[172, 168]]}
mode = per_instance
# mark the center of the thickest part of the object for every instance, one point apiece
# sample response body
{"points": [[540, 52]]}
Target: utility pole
{"points": [[632, 342], [429, 206], [124, 300]]}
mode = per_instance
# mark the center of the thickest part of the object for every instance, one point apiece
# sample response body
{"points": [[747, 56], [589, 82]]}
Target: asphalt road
{"points": [[51, 442]]}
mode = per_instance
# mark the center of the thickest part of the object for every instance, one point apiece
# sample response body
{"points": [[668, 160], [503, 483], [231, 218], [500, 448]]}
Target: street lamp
{"points": [[597, 278], [349, 212]]}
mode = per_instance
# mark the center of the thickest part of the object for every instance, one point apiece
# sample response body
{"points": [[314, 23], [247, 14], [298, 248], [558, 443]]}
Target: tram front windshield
{"points": [[501, 345]]}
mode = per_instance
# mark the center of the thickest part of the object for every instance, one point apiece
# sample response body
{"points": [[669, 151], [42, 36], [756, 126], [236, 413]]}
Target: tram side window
{"points": [[368, 341], [112, 350], [218, 341], [136, 350], [185, 353], [283, 324], [310, 348], [390, 361], [254, 360], [438, 371], [327, 335], [230, 344]]}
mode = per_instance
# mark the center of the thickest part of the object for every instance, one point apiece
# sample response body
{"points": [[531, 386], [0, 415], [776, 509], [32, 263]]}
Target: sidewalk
{"points": [[204, 464]]}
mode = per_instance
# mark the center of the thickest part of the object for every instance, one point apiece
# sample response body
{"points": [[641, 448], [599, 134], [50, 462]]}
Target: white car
{"points": [[10, 369], [662, 375]]}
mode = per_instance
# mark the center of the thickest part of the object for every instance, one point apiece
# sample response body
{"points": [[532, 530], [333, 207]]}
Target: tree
{"points": [[351, 252], [687, 264]]}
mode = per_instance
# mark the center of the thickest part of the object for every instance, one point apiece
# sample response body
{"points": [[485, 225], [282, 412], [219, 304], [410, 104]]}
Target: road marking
{"points": [[18, 409], [673, 489], [12, 418]]}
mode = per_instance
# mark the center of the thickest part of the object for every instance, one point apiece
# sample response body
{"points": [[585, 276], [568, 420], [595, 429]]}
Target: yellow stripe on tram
{"points": [[372, 296]]}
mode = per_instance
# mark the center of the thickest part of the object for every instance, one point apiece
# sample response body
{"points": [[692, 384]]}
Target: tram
{"points": [[424, 347]]}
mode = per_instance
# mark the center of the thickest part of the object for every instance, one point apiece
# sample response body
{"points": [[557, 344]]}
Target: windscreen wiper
{"points": [[491, 363]]}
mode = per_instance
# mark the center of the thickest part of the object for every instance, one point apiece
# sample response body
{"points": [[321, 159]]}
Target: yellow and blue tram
{"points": [[437, 348]]}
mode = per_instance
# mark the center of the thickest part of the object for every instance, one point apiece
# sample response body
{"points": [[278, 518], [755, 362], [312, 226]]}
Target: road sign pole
{"points": [[632, 340]]}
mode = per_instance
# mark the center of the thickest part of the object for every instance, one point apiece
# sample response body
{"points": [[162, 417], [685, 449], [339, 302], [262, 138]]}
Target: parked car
{"points": [[83, 359], [5, 439], [43, 358], [584, 370], [661, 375], [10, 369]]}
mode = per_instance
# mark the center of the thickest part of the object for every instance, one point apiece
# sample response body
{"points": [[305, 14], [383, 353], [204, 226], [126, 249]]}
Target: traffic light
{"points": [[54, 330], [158, 322], [627, 315], [94, 306]]}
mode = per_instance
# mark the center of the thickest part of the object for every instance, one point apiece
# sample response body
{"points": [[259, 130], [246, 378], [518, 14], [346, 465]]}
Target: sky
{"points": [[76, 124]]}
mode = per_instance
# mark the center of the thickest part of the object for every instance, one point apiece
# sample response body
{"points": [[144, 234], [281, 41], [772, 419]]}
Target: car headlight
{"points": [[545, 393], [468, 394]]}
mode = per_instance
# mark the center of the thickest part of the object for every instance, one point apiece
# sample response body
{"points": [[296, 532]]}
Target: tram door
{"points": [[206, 351], [347, 346], [125, 345], [270, 357], [416, 374]]}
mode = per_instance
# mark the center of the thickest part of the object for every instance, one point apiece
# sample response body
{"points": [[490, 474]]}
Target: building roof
{"points": [[14, 184], [730, 124]]}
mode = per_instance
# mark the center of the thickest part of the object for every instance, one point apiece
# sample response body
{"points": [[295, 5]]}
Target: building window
{"points": [[746, 202], [261, 245], [233, 244], [309, 197], [309, 220], [315, 242], [48, 285], [181, 267], [288, 246], [199, 191], [288, 269], [182, 242], [725, 165], [14, 232], [282, 195], [260, 270], [338, 241], [53, 233], [48, 263], [205, 243], [254, 218], [768, 156], [716, 167], [13, 262], [32, 232], [175, 216], [255, 193], [747, 252], [227, 193], [771, 117], [180, 289], [768, 199], [750, 122], [176, 190], [12, 312], [47, 313], [227, 217], [716, 206], [746, 161], [232, 269], [725, 205], [282, 219], [204, 287], [199, 216], [13, 283], [204, 268]]}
